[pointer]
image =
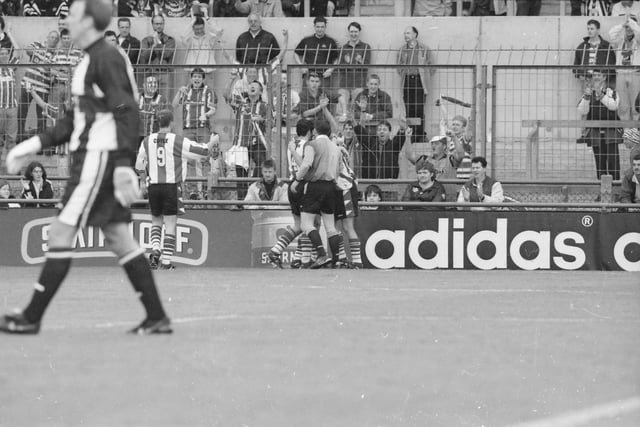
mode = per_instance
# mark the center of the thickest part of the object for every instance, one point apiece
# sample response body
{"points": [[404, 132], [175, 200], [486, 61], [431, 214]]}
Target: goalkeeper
{"points": [[102, 133]]}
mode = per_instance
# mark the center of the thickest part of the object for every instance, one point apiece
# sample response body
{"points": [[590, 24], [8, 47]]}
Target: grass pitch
{"points": [[328, 348]]}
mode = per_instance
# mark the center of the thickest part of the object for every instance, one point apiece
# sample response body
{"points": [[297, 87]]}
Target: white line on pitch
{"points": [[588, 415]]}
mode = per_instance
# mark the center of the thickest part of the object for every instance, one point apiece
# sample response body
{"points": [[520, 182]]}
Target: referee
{"points": [[318, 173]]}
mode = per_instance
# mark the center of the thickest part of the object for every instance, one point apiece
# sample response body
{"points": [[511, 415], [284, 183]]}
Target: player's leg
{"points": [[157, 220], [352, 211], [131, 258], [169, 246], [55, 269]]}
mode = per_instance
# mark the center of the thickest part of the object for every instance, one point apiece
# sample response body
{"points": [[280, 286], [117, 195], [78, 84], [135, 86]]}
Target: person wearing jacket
{"points": [[268, 188], [594, 50], [37, 185], [630, 189], [481, 188], [625, 39]]}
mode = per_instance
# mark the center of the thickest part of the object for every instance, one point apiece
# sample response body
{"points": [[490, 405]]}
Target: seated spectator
{"points": [[372, 193], [5, 193], [630, 190], [427, 188], [626, 8], [37, 185], [481, 188], [445, 162], [262, 8], [432, 8], [268, 188], [46, 8], [631, 140]]}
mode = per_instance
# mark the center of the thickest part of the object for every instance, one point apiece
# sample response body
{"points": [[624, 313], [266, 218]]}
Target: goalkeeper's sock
{"points": [[284, 240], [140, 276], [55, 269], [335, 242], [169, 248], [156, 236], [316, 242], [354, 246]]}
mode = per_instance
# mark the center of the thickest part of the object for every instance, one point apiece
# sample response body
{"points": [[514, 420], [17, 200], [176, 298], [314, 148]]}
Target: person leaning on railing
{"points": [[481, 188], [631, 140]]}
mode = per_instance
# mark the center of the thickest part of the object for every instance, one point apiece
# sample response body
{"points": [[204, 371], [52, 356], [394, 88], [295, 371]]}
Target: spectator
{"points": [[427, 188], [201, 48], [432, 8], [256, 46], [151, 103], [225, 9], [251, 118], [262, 8], [528, 7], [458, 140], [372, 193], [600, 102], [295, 8], [238, 89], [444, 162], [37, 185], [353, 146], [626, 8], [10, 8], [630, 190], [67, 57], [136, 8], [127, 42], [352, 80], [373, 105], [268, 188], [631, 140], [625, 40], [8, 102], [596, 7], [173, 8], [46, 8], [38, 78], [289, 115], [481, 188], [314, 103], [414, 55], [594, 50], [487, 8], [5, 193], [381, 152], [199, 103], [6, 40], [159, 49], [322, 51]]}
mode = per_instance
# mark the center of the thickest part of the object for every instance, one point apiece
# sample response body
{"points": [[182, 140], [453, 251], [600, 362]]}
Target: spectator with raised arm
{"points": [[159, 49], [626, 8], [262, 8], [201, 48], [46, 8], [381, 151]]}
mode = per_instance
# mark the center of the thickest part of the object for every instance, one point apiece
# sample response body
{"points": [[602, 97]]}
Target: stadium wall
{"points": [[390, 239]]}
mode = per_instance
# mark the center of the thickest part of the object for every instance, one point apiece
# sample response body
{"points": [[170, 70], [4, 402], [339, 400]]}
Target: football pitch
{"points": [[257, 347]]}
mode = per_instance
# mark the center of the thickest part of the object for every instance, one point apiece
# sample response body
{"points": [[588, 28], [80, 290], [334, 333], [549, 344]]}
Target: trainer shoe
{"points": [[167, 266], [275, 260], [357, 266], [296, 264], [148, 327], [321, 262], [154, 259], [18, 324]]}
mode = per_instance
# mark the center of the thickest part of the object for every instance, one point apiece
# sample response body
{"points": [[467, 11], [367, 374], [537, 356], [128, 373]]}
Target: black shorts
{"points": [[347, 203], [89, 195], [163, 199], [319, 197], [295, 198]]}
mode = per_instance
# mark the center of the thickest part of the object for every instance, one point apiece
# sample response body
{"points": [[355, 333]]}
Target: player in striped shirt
{"points": [[164, 156]]}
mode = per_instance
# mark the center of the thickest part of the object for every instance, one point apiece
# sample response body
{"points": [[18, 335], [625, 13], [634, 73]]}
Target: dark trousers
{"points": [[413, 96], [528, 7], [607, 159], [23, 110]]}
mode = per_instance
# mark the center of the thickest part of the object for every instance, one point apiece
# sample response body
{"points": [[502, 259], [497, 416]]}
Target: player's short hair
{"points": [[165, 117], [355, 24], [198, 70], [320, 19], [303, 127], [593, 22], [481, 160], [322, 127], [100, 11], [269, 164], [461, 119]]}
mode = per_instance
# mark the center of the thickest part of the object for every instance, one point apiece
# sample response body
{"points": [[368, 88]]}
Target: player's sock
{"points": [[169, 248], [284, 240], [335, 242], [305, 247], [55, 269], [156, 236], [298, 253], [342, 254], [316, 242], [354, 245], [140, 276]]}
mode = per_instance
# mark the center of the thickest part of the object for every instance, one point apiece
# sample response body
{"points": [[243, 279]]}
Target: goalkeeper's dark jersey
{"points": [[105, 115]]}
